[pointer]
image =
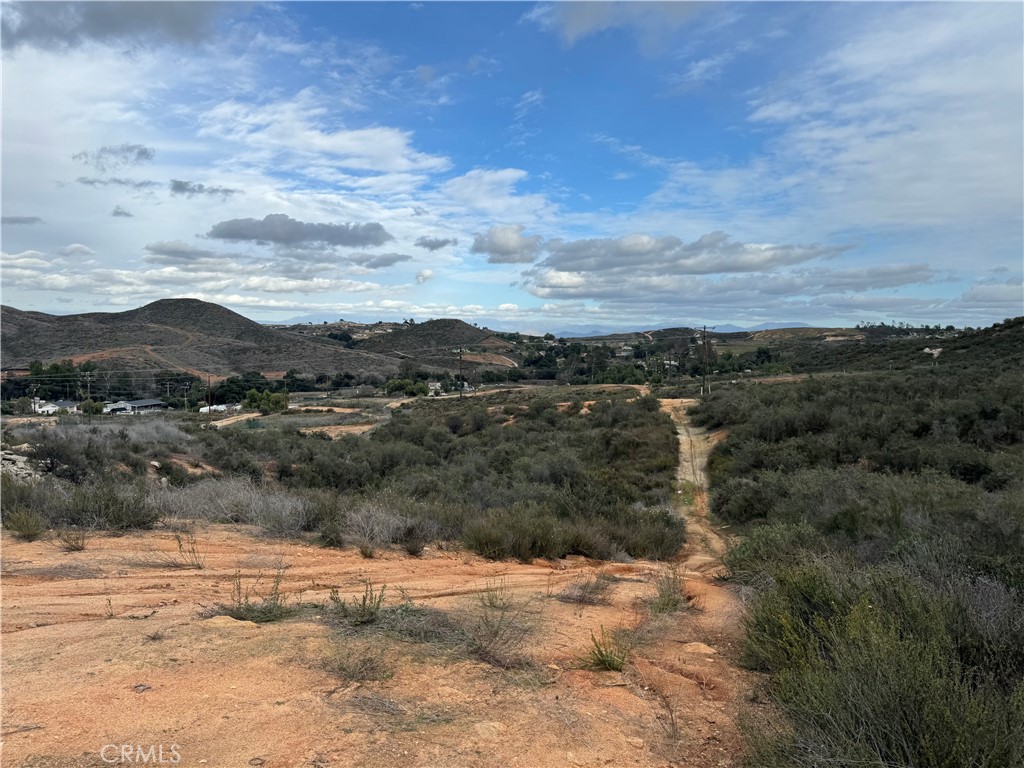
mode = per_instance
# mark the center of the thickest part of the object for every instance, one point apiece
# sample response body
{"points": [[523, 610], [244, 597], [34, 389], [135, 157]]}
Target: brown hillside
{"points": [[431, 337], [178, 334]]}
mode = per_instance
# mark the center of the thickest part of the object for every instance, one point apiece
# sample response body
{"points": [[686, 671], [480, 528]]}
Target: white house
{"points": [[48, 409], [135, 406]]}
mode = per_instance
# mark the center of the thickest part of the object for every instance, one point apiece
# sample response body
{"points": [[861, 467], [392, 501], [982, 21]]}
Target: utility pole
{"points": [[462, 384], [706, 386]]}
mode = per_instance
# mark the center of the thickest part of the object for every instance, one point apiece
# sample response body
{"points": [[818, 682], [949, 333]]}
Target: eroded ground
{"points": [[111, 645]]}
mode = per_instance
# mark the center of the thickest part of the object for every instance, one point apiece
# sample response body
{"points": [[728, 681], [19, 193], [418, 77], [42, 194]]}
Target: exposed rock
{"points": [[701, 648], [17, 464]]}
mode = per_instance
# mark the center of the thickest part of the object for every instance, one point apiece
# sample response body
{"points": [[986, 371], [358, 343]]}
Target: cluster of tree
{"points": [[234, 388], [266, 401], [894, 330], [406, 387]]}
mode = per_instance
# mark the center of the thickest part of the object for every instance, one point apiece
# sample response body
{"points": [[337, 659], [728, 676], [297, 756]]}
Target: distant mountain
{"points": [[582, 332], [728, 328], [774, 326], [175, 334]]}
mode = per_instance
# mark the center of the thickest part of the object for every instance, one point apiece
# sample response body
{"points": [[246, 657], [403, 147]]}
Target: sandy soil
{"points": [[233, 419], [112, 646]]}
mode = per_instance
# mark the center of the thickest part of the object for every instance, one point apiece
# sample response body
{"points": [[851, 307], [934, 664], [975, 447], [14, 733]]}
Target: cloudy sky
{"points": [[527, 166]]}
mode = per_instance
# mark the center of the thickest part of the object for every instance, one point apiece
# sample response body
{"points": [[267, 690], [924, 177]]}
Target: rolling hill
{"points": [[435, 342], [175, 334]]}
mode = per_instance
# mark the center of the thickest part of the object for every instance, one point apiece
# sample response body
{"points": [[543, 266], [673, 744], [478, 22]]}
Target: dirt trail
{"points": [[694, 447], [111, 646]]}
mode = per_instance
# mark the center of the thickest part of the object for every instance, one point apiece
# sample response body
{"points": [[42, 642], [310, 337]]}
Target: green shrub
{"points": [[26, 524], [609, 652], [765, 547], [523, 533], [110, 505], [874, 696], [250, 605], [785, 624], [671, 596], [359, 610]]}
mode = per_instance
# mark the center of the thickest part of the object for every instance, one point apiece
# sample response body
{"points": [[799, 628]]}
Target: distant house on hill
{"points": [[220, 408], [135, 406]]}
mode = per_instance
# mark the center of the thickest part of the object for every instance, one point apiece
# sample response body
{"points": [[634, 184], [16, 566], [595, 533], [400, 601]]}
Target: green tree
{"points": [[91, 408], [266, 401]]}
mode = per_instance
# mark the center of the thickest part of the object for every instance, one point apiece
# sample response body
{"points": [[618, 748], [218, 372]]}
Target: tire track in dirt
{"points": [[694, 446]]}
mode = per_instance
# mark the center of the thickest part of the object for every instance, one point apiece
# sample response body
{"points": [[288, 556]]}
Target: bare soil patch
{"points": [[490, 358], [337, 430]]}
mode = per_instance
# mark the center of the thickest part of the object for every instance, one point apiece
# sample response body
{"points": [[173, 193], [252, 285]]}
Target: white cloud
{"points": [[314, 285], [912, 123], [507, 245], [1009, 294], [712, 253], [492, 193], [76, 250], [296, 129], [703, 70], [528, 102], [652, 22]]}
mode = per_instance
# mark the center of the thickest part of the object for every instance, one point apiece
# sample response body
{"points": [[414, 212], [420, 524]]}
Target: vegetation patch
{"points": [[588, 590], [608, 651], [250, 603], [671, 596], [884, 549]]}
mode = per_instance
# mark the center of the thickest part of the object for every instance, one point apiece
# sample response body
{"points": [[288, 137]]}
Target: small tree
{"points": [[266, 402], [91, 408]]}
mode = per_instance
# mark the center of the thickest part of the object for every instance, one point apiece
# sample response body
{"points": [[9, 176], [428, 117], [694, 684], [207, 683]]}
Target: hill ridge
{"points": [[177, 334]]}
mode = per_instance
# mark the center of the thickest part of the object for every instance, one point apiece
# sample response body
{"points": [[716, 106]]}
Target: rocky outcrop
{"points": [[15, 463]]}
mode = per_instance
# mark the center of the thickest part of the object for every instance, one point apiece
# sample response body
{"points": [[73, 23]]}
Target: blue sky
{"points": [[523, 165]]}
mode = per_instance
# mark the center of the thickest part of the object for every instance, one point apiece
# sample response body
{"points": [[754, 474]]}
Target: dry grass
{"points": [[607, 652], [72, 539], [588, 590], [186, 557]]}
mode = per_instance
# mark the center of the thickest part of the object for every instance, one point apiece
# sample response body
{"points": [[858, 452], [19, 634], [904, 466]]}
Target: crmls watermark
{"points": [[137, 754]]}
